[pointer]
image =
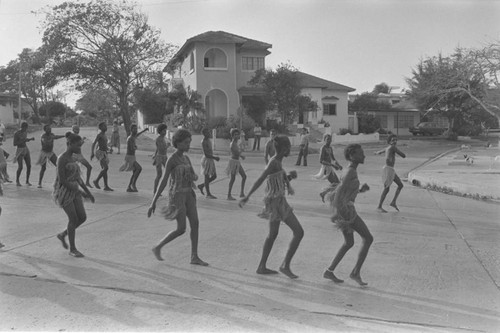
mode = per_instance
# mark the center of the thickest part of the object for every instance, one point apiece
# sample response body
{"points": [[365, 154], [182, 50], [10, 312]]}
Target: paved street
{"points": [[433, 267]]}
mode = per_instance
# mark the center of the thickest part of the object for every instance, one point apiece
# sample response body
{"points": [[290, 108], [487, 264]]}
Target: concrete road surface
{"points": [[433, 267]]}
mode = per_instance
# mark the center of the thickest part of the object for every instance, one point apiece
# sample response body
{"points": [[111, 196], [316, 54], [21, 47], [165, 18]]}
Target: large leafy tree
{"points": [[368, 102], [184, 108], [104, 42], [36, 78], [98, 101], [455, 85], [283, 92]]}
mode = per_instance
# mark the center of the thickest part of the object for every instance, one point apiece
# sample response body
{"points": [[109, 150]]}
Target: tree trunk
{"points": [[123, 103]]}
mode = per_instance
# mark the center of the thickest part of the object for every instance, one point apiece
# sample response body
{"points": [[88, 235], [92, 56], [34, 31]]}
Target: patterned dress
{"points": [[160, 157], [181, 185], [63, 195], [275, 205], [344, 212]]}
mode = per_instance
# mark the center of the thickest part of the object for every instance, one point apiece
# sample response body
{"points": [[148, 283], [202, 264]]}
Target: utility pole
{"points": [[19, 96]]}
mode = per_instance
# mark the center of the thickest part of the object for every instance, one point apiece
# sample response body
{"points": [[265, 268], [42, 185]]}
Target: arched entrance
{"points": [[216, 103]]}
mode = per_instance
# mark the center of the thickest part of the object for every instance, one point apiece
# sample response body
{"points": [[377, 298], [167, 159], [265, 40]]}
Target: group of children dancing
{"points": [[178, 174]]}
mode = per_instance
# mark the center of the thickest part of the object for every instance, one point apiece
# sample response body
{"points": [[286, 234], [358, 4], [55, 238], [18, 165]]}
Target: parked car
{"points": [[427, 128]]}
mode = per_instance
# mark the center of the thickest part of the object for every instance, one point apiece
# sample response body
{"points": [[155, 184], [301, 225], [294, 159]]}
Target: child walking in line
{"points": [[208, 159], [181, 199], [67, 193], [303, 147], [234, 165], [115, 138], [47, 152], [101, 140], [160, 155], [346, 218], [80, 159], [276, 208], [270, 151], [22, 153], [131, 163], [328, 166], [388, 173]]}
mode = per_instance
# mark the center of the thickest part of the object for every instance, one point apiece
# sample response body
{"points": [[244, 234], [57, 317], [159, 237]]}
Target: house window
{"points": [[330, 109], [395, 101], [191, 61], [405, 121], [215, 58], [252, 63]]}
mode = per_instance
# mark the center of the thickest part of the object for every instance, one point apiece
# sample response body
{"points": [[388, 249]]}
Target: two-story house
{"points": [[218, 66]]}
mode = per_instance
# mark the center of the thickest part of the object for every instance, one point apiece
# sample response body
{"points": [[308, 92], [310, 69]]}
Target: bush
{"points": [[344, 131], [368, 123], [450, 135]]}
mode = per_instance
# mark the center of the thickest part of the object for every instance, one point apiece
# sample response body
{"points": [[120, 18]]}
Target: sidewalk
{"points": [[467, 171]]}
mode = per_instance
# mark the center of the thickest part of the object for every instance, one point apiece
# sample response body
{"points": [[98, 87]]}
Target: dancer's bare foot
{"points": [[18, 184], [210, 196], [76, 254], [230, 198], [96, 184], [200, 187], [322, 195], [156, 252], [329, 275], [1, 245], [198, 261], [357, 278], [39, 186], [109, 189], [242, 195], [393, 204], [266, 271], [28, 184], [63, 240], [129, 189], [88, 185], [381, 210], [288, 272]]}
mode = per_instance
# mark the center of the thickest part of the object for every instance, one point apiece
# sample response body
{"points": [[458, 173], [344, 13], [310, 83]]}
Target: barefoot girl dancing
{"points": [[181, 197], [67, 193], [345, 215], [276, 207]]}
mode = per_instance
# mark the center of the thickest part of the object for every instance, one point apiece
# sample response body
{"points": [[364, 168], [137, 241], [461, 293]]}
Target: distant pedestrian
{"points": [[131, 163], [270, 151], [115, 137], [47, 153], [234, 165], [303, 147], [346, 218], [181, 199], [276, 207], [328, 166], [4, 176], [160, 155], [257, 132], [67, 193], [2, 130], [101, 141], [208, 159], [22, 152], [389, 174], [80, 159]]}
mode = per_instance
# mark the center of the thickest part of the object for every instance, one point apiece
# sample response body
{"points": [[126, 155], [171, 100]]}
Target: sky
{"points": [[357, 43]]}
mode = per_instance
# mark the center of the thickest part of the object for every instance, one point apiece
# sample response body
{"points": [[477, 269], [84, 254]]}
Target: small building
{"points": [[399, 118], [8, 108]]}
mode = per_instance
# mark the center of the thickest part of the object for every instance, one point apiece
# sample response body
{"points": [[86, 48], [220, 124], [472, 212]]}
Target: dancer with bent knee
{"points": [[181, 199], [160, 155], [276, 207], [208, 159], [22, 153], [67, 193], [346, 218]]}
